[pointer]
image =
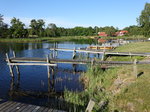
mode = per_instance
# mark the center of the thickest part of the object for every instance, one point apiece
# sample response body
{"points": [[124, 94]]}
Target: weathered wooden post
{"points": [[103, 55], [54, 50], [10, 66], [48, 70], [135, 68], [74, 53], [74, 68], [17, 68], [54, 54], [53, 79], [90, 106]]}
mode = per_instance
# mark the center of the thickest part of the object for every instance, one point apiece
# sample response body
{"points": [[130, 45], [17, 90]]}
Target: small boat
{"points": [[100, 47]]}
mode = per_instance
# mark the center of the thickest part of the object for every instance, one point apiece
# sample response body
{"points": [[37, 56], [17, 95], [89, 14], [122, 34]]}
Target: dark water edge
{"points": [[32, 85]]}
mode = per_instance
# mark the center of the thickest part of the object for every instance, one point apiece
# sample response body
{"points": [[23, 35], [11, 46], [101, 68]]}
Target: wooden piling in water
{"points": [[103, 55], [48, 69], [74, 53], [10, 66], [17, 68]]}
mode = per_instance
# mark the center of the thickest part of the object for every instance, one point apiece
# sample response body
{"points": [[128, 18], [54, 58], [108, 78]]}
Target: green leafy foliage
{"points": [[144, 20], [17, 29]]}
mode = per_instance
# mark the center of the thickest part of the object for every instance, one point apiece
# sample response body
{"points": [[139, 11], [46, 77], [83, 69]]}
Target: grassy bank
{"points": [[67, 38], [116, 89], [49, 39], [139, 47], [134, 37]]}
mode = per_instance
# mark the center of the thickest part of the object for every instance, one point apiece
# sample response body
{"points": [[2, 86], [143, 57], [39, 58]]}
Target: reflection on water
{"points": [[32, 84]]}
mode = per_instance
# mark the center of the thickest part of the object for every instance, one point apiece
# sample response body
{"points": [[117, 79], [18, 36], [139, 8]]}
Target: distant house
{"points": [[101, 40], [103, 34], [121, 33]]}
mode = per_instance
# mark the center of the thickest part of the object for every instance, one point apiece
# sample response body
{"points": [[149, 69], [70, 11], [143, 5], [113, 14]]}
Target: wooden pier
{"points": [[101, 52], [11, 106], [70, 61], [30, 62], [15, 61]]}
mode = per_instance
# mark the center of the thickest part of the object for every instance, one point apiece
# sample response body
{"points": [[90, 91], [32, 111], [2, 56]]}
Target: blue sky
{"points": [[71, 13]]}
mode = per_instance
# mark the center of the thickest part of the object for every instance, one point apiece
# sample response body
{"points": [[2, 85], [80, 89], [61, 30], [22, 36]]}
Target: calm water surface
{"points": [[33, 79]]}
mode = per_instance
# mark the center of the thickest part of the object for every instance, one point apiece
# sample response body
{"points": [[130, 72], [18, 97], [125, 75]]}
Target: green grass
{"points": [[134, 37], [134, 47], [139, 47], [79, 39], [119, 86], [21, 40], [135, 97], [96, 83]]}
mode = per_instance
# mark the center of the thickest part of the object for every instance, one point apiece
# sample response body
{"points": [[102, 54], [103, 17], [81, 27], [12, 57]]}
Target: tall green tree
{"points": [[133, 30], [52, 30], [34, 27], [144, 20], [37, 27], [41, 25], [4, 31], [17, 29]]}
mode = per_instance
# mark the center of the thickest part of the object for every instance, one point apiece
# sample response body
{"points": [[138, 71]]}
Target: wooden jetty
{"points": [[12, 64], [71, 61], [15, 61], [101, 52], [11, 106]]}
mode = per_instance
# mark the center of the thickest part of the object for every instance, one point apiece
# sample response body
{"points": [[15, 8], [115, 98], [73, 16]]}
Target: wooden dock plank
{"points": [[5, 105], [12, 107], [15, 60], [32, 108], [8, 106], [55, 111], [50, 110], [45, 110], [40, 64], [36, 109], [22, 107], [100, 52], [18, 108], [27, 108], [40, 109]]}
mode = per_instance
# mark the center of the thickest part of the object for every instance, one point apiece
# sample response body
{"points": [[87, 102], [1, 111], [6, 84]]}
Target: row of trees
{"points": [[37, 28]]}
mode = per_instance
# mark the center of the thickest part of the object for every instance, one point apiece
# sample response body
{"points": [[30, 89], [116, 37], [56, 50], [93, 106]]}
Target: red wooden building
{"points": [[103, 34]]}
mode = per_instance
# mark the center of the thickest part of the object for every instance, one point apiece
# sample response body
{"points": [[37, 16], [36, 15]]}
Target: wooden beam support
{"points": [[10, 66], [17, 68], [40, 64], [48, 69]]}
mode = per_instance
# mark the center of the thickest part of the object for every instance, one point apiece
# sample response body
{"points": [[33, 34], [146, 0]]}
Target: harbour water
{"points": [[32, 85]]}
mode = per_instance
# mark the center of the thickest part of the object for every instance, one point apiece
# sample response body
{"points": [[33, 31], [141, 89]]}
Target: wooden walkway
{"points": [[29, 59], [11, 106], [101, 52]]}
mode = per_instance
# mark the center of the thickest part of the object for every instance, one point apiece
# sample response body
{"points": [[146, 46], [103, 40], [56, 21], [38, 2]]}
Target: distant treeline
{"points": [[37, 28]]}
